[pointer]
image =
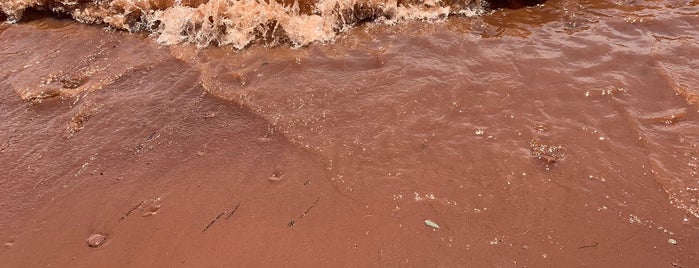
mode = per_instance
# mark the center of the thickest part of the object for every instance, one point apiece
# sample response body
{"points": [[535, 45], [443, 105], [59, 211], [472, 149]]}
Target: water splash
{"points": [[240, 23]]}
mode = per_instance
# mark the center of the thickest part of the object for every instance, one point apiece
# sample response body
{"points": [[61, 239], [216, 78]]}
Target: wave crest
{"points": [[240, 23]]}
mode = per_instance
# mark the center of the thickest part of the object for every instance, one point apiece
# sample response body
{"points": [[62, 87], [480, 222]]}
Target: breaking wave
{"points": [[239, 23]]}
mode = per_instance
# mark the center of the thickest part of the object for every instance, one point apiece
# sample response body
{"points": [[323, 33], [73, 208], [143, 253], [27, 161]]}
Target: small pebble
{"points": [[431, 224], [672, 241], [96, 240], [208, 115]]}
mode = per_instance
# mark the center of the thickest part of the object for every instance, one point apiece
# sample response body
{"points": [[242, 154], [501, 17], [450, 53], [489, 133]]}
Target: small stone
{"points": [[431, 224], [274, 179], [276, 176], [208, 115], [672, 241], [96, 240]]}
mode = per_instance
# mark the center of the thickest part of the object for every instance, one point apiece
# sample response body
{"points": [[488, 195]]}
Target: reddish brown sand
{"points": [[561, 136]]}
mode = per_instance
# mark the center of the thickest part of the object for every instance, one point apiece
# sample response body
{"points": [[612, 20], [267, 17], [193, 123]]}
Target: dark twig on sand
{"points": [[233, 211], [309, 208], [589, 246], [131, 211], [152, 135], [213, 221], [293, 222]]}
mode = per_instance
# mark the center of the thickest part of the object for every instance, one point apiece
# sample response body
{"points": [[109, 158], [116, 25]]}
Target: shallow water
{"points": [[563, 134]]}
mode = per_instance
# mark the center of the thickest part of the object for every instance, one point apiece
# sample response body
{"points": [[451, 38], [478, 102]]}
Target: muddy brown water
{"points": [[558, 135]]}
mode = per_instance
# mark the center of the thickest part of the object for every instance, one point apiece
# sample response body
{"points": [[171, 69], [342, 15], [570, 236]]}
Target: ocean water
{"points": [[252, 133]]}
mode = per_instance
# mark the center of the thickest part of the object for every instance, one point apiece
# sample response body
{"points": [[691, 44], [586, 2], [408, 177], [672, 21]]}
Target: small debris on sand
{"points": [[131, 210], [672, 241], [589, 246], [233, 211], [96, 240], [213, 221], [274, 179], [276, 176], [432, 224], [208, 115], [549, 154]]}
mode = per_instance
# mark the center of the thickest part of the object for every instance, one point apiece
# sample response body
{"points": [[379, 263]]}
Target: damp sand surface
{"points": [[559, 135]]}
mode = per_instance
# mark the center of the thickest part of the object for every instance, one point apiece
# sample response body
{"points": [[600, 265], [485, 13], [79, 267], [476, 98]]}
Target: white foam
{"points": [[239, 23]]}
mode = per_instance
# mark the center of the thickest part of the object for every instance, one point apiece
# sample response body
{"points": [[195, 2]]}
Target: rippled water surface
{"points": [[563, 134]]}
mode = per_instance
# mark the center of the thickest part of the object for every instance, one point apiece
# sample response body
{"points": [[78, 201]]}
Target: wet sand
{"points": [[560, 135]]}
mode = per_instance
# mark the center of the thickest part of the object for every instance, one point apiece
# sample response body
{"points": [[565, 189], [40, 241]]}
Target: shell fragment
{"points": [[431, 224]]}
